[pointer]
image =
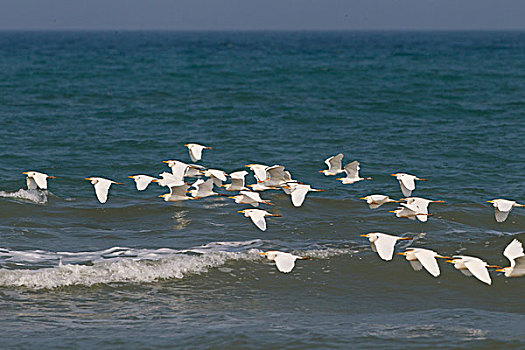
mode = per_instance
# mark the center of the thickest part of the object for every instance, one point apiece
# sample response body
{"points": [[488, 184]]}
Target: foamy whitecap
{"points": [[121, 264], [36, 196]]}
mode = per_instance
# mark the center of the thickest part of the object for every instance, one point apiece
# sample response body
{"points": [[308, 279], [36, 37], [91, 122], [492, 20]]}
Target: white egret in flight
{"points": [[177, 193], [502, 208], [142, 181], [514, 252], [298, 192], [383, 243], [218, 176], [259, 171], [195, 151], [407, 183], [102, 187], [408, 211], [285, 262], [249, 197], [472, 266], [178, 168], [237, 181], [334, 164], [257, 217], [36, 180], [376, 200], [420, 205], [352, 174], [203, 189], [420, 257]]}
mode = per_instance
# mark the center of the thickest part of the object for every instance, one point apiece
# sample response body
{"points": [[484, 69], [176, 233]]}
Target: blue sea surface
{"points": [[140, 273]]}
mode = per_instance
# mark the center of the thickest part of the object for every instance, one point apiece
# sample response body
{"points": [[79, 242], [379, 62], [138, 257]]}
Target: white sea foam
{"points": [[36, 196], [121, 264]]}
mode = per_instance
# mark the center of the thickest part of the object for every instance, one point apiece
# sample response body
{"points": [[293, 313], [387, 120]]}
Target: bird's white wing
{"points": [[276, 174], [502, 205], [237, 183], [41, 180], [168, 179], [385, 246], [427, 258], [513, 251], [298, 194], [142, 181], [421, 206], [416, 265], [219, 174], [179, 190], [206, 186], [195, 151], [466, 272], [179, 169], [238, 175], [31, 184], [285, 262], [352, 170], [254, 196], [334, 162], [257, 217], [259, 171], [408, 181], [102, 189], [406, 192], [478, 268], [501, 215]]}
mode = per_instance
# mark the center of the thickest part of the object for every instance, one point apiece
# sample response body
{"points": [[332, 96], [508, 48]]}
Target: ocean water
{"points": [[140, 273]]}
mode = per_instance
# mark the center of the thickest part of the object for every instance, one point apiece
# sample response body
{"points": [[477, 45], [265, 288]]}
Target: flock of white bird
{"points": [[277, 178]]}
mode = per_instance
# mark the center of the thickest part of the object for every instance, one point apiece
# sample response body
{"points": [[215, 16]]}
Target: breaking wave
{"points": [[47, 270]]}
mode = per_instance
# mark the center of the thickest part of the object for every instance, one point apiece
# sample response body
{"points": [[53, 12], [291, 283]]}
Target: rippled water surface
{"points": [[140, 273]]}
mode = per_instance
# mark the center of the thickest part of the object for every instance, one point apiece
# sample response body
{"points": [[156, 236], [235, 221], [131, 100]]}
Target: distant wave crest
{"points": [[121, 264]]}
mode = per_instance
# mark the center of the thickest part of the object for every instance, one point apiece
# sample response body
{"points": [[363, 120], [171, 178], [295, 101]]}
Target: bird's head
{"points": [[270, 254], [29, 173], [92, 179]]}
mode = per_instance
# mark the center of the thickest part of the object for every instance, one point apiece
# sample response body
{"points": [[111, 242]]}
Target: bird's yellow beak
{"points": [[501, 270], [165, 161], [162, 195], [365, 198], [25, 172], [88, 178], [131, 177], [392, 211], [232, 197], [393, 174], [320, 171], [240, 211], [263, 253], [402, 253], [450, 261], [364, 235], [444, 257], [186, 145], [487, 201]]}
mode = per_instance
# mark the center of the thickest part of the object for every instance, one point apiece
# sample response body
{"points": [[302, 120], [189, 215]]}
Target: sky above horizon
{"points": [[262, 15]]}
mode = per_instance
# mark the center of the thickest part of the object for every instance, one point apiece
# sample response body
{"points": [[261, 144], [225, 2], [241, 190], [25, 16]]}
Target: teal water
{"points": [[445, 106]]}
